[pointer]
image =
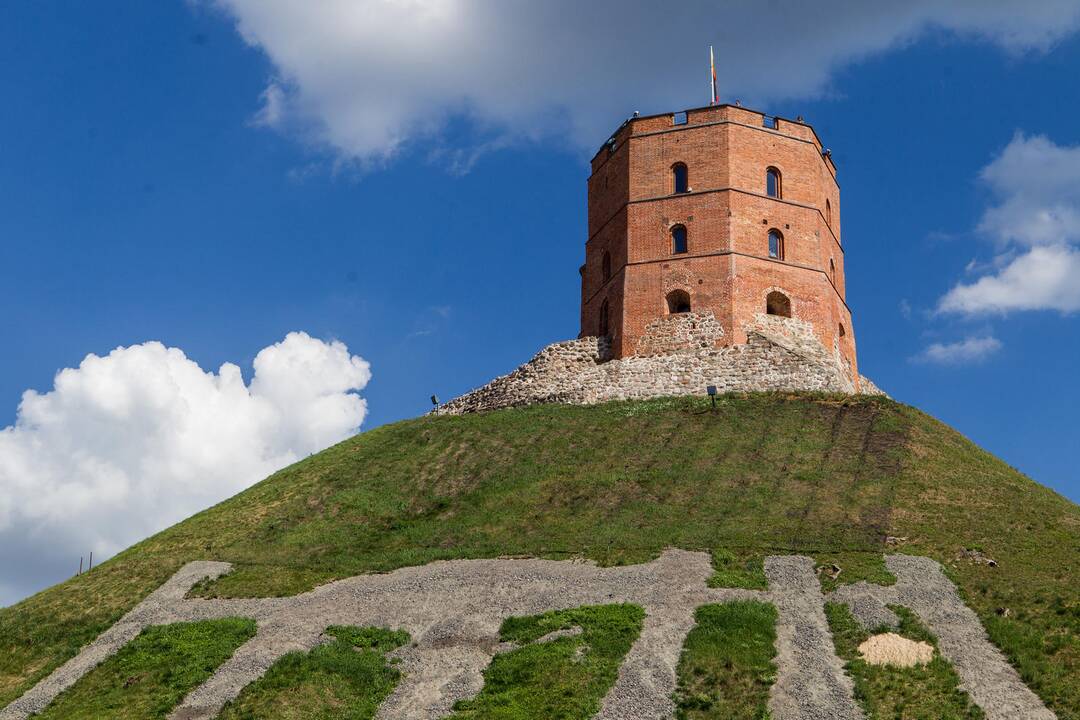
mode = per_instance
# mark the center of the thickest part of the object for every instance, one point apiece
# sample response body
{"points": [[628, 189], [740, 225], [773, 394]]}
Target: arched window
{"points": [[678, 239], [605, 266], [603, 319], [678, 301], [772, 183], [776, 244], [842, 331], [680, 178], [828, 212], [777, 303], [832, 269]]}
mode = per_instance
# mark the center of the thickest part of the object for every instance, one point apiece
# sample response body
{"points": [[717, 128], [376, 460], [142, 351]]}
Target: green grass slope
{"points": [[825, 476]]}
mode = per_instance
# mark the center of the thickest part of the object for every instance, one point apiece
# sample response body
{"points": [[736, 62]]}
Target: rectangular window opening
{"points": [[678, 118], [678, 240]]}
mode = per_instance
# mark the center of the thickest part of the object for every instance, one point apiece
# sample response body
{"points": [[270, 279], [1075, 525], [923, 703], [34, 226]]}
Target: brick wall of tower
{"points": [[726, 271]]}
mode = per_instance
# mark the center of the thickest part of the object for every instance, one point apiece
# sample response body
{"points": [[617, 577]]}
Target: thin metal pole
{"points": [[80, 564], [91, 562]]}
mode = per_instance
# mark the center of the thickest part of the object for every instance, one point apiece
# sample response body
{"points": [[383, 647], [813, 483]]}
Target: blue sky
{"points": [[191, 173]]}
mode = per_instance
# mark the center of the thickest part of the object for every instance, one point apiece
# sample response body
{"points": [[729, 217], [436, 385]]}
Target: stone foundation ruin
{"points": [[678, 356]]}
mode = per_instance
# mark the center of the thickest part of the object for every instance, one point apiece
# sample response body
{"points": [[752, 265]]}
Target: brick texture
{"points": [[726, 271]]}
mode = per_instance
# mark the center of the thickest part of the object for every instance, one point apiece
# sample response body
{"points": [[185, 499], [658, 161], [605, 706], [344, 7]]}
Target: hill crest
{"points": [[839, 479]]}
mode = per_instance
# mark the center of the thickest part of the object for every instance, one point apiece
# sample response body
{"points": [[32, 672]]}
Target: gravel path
{"points": [[150, 611], [453, 611], [984, 672], [810, 683], [867, 605]]}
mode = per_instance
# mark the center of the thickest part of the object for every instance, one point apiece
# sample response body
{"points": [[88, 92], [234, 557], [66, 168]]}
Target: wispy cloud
{"points": [[905, 308], [972, 349], [273, 109], [428, 322]]}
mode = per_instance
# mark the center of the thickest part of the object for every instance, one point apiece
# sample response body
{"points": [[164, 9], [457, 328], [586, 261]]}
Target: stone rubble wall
{"points": [[867, 387], [781, 354], [683, 331]]}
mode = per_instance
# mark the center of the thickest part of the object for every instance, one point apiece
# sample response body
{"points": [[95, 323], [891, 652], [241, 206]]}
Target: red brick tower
{"points": [[716, 216]]}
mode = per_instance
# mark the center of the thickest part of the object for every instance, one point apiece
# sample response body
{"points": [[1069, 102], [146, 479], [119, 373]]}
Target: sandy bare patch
{"points": [[892, 649]]}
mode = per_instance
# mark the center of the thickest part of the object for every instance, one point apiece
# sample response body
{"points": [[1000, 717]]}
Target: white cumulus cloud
{"points": [[1036, 184], [365, 77], [972, 349], [127, 444], [1043, 278], [1034, 223]]}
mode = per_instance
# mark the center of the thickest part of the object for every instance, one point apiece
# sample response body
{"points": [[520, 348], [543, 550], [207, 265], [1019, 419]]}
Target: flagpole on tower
{"points": [[712, 70]]}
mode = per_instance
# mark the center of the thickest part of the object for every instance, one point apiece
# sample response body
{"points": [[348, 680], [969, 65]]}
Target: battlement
{"points": [[638, 125]]}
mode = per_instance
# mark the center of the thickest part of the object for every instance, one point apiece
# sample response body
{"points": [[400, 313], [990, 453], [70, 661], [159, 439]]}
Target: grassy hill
{"points": [[826, 476]]}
